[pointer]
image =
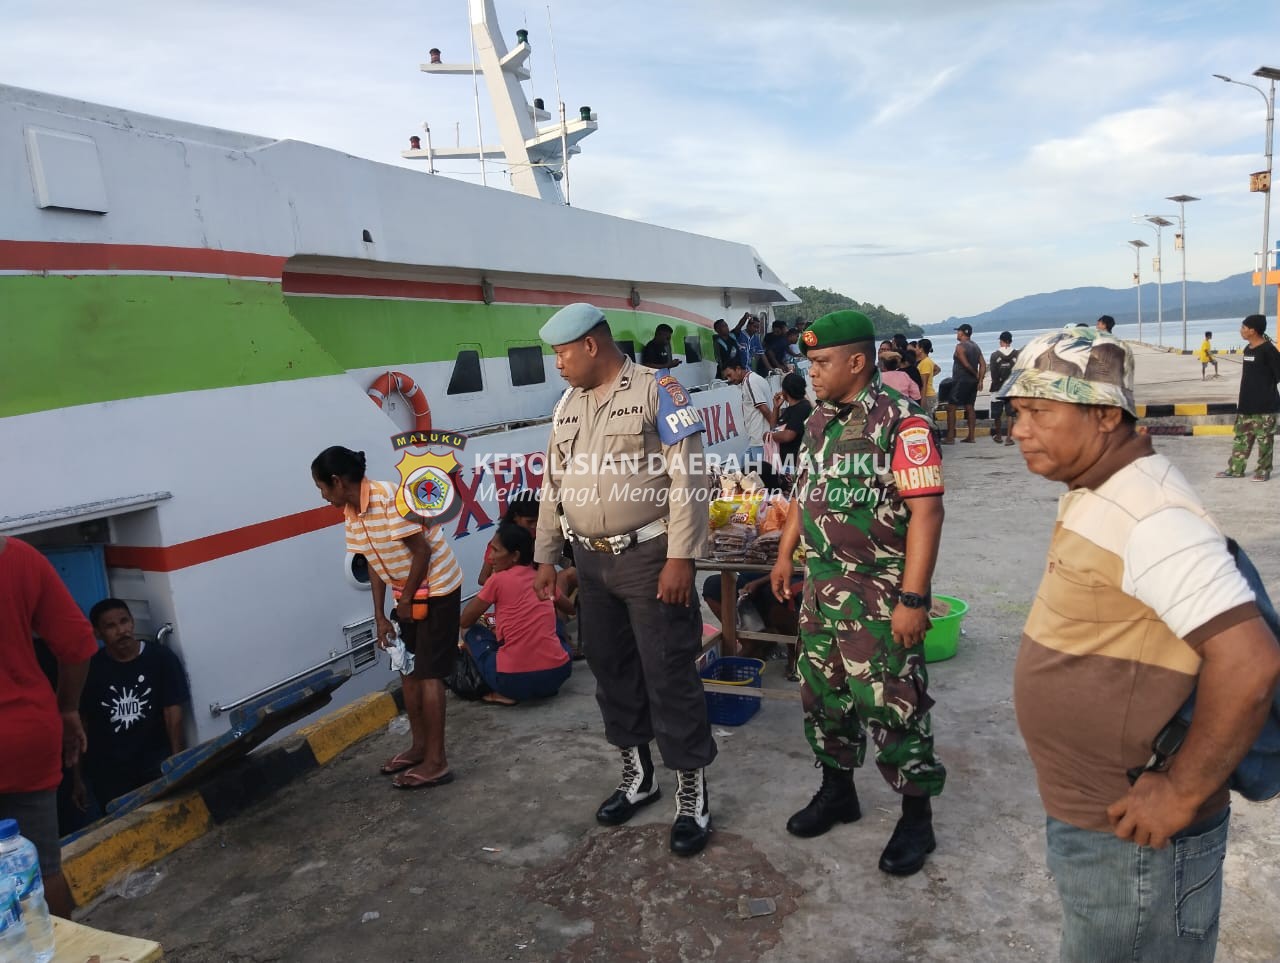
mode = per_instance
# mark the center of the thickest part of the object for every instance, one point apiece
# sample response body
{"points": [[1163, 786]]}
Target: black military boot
{"points": [[638, 788], [835, 802], [912, 838], [692, 828]]}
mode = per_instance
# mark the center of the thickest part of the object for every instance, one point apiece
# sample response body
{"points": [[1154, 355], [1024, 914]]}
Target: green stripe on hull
{"points": [[68, 341], [75, 340], [372, 332]]}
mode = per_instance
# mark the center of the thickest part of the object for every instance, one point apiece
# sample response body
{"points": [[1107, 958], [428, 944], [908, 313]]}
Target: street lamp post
{"points": [[1182, 201], [1159, 223], [1137, 246], [1272, 74]]}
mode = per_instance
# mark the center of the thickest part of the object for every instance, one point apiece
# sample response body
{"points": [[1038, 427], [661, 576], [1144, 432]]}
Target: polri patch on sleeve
{"points": [[677, 418], [916, 463]]}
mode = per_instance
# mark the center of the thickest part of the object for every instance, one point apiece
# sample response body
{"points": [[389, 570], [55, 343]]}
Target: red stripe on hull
{"points": [[602, 301], [54, 257], [211, 547], [342, 284]]}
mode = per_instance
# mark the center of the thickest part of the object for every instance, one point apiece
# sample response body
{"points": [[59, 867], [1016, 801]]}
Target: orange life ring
{"points": [[397, 381]]}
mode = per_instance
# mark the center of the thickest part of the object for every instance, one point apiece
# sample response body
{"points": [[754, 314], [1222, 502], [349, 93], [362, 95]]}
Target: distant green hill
{"points": [[815, 302], [1233, 297]]}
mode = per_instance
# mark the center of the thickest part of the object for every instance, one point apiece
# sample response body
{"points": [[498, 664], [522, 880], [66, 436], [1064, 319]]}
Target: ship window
{"points": [[692, 349], [360, 569], [466, 373], [527, 367], [628, 348]]}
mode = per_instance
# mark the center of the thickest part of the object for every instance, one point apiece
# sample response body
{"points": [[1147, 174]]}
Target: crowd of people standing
{"points": [[1140, 583]]}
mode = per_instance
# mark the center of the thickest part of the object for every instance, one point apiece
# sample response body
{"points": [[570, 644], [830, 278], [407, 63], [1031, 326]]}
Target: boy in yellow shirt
{"points": [[1207, 356]]}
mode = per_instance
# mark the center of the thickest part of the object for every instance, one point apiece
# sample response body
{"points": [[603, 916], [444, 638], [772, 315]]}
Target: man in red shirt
{"points": [[42, 731]]}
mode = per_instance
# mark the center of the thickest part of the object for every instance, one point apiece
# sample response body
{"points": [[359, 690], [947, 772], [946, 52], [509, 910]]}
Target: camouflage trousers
{"points": [[1249, 427], [854, 677]]}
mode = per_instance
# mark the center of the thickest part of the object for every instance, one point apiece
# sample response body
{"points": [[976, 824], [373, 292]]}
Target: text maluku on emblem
{"points": [[428, 491]]}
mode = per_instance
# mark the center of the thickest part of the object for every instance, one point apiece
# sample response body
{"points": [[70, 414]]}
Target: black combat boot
{"points": [[912, 838], [692, 828], [835, 802], [638, 788]]}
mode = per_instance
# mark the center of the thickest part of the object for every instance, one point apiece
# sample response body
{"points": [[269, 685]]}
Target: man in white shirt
{"points": [[1140, 603], [757, 410]]}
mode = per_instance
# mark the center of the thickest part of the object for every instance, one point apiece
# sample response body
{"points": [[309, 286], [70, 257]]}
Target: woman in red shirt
{"points": [[524, 658]]}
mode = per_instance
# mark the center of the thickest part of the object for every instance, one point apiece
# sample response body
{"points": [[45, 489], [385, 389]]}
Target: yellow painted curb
{"points": [[1212, 429], [349, 725], [147, 834], [1191, 409]]}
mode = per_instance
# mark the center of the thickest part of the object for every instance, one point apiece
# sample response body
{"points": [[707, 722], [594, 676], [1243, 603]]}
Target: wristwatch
{"points": [[913, 601]]}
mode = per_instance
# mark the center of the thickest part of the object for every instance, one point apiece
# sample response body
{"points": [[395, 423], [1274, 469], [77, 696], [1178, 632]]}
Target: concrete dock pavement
{"points": [[1165, 378], [507, 863], [1162, 377]]}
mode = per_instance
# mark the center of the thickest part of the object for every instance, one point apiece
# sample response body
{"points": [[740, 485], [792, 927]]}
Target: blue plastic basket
{"points": [[732, 710]]}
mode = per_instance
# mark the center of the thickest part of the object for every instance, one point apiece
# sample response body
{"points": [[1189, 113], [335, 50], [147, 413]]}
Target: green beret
{"points": [[839, 327], [570, 323]]}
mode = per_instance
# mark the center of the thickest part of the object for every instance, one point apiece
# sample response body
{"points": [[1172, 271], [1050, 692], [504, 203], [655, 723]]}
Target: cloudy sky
{"points": [[939, 157]]}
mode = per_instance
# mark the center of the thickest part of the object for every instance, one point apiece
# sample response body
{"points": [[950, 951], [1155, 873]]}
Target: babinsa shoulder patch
{"points": [[677, 418]]}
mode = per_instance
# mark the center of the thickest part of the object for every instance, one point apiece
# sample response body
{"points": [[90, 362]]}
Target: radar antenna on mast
{"points": [[536, 156]]}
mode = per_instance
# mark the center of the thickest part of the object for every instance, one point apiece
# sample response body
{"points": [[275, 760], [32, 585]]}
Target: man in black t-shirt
{"points": [[1001, 366], [1259, 401], [791, 409], [726, 346], [777, 348], [968, 368], [132, 707], [657, 353]]}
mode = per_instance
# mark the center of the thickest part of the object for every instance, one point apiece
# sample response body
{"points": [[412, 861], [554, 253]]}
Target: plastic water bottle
{"points": [[19, 862], [14, 945]]}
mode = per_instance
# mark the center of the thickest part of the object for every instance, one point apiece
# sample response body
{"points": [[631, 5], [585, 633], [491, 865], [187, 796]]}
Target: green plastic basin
{"points": [[943, 637]]}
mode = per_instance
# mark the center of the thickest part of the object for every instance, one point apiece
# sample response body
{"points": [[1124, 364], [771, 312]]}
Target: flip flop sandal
{"points": [[398, 763], [418, 782]]}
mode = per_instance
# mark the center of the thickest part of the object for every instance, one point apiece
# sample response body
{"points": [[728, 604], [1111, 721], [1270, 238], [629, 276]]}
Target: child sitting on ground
{"points": [[524, 658]]}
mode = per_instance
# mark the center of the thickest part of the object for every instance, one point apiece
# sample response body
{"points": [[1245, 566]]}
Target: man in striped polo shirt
{"points": [[1141, 602], [426, 585]]}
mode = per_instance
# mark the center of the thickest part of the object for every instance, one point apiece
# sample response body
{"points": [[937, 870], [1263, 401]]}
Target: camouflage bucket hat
{"points": [[1079, 365]]}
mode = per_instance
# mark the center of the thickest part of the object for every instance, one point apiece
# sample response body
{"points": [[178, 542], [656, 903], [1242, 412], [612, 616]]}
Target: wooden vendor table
{"points": [[76, 943], [727, 638]]}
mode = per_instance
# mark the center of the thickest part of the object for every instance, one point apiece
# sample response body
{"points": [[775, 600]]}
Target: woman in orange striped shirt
{"points": [[426, 584]]}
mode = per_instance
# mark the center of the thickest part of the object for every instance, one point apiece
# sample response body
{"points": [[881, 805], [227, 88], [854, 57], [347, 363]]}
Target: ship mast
{"points": [[536, 156]]}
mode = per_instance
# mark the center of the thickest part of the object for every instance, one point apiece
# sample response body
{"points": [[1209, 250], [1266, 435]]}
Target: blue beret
{"points": [[570, 323]]}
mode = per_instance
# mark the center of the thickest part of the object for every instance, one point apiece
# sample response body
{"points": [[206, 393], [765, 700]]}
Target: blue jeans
{"points": [[521, 686], [1126, 902]]}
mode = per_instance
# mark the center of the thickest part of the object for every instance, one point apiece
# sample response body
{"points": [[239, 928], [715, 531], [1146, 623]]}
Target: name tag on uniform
{"points": [[677, 418]]}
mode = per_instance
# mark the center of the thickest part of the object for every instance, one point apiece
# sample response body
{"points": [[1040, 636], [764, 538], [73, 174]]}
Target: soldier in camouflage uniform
{"points": [[869, 511], [1256, 411]]}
